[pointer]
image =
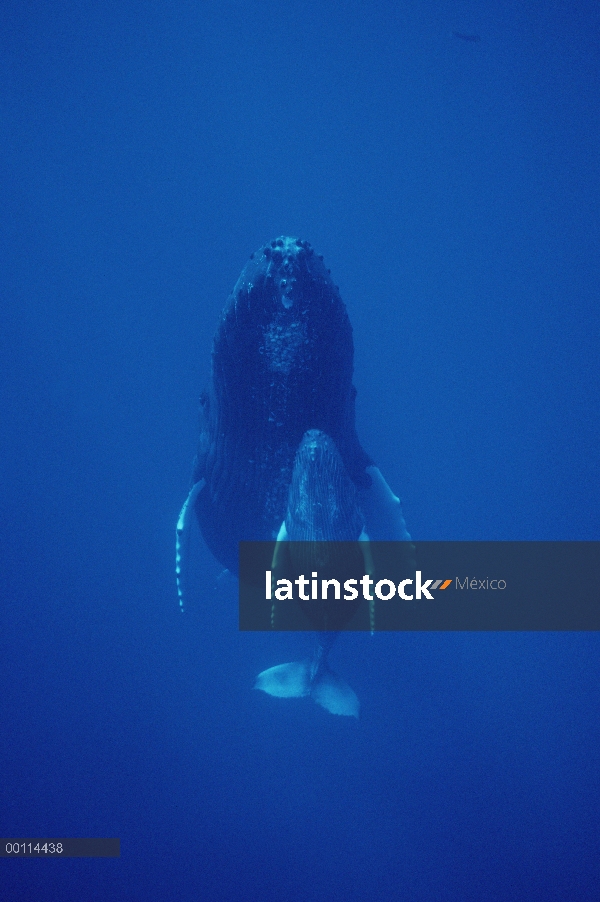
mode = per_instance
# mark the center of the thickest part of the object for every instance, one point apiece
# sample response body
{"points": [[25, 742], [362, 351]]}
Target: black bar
{"points": [[484, 586], [60, 848]]}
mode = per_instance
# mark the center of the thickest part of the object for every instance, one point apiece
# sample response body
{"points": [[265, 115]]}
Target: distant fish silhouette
{"points": [[472, 38]]}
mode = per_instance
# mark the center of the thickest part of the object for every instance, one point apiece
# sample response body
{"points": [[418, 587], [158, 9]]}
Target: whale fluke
{"points": [[285, 680], [294, 681], [334, 694]]}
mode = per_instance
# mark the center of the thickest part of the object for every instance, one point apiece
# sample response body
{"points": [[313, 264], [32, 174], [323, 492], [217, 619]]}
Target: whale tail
{"points": [[295, 680]]}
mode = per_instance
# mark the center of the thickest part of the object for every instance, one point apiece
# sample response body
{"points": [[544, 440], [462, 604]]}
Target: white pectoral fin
{"points": [[182, 539], [280, 553], [382, 511], [367, 554], [282, 535]]}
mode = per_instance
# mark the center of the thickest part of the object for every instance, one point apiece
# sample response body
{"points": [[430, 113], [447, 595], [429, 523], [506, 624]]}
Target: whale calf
{"points": [[323, 507]]}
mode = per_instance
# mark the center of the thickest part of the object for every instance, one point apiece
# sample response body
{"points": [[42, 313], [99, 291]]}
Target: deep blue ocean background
{"points": [[453, 187]]}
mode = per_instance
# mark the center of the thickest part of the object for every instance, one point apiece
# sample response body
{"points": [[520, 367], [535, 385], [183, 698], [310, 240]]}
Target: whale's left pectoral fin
{"points": [[382, 511], [182, 541]]}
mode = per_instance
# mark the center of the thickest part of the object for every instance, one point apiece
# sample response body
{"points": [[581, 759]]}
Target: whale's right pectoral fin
{"points": [[382, 511], [182, 540], [281, 552]]}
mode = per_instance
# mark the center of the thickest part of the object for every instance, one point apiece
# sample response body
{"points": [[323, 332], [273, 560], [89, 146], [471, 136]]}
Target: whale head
{"points": [[322, 500]]}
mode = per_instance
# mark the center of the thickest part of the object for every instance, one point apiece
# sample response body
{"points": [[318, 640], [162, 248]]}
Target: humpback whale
{"points": [[282, 365], [323, 507]]}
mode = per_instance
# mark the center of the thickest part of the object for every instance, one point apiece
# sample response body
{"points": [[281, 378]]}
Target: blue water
{"points": [[452, 186]]}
